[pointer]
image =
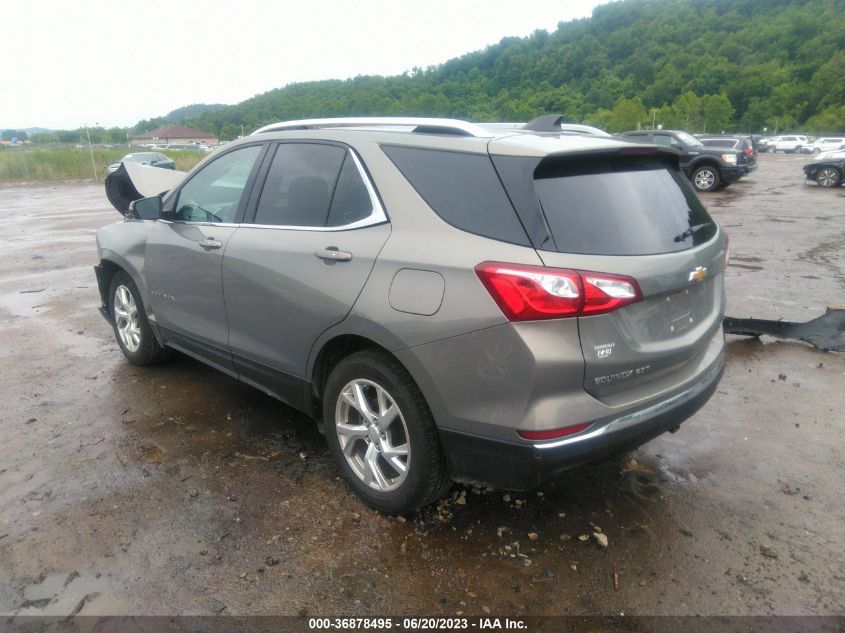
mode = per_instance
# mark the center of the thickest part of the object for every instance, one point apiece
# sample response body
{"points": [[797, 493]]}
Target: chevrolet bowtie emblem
{"points": [[699, 274]]}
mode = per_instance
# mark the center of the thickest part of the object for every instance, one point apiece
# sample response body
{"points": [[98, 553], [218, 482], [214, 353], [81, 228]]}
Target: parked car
{"points": [[449, 303], [827, 170], [790, 144], [766, 144], [154, 159], [707, 168], [746, 153], [827, 144], [757, 139]]}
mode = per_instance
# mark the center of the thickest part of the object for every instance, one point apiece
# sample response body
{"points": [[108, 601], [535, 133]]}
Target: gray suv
{"points": [[449, 302]]}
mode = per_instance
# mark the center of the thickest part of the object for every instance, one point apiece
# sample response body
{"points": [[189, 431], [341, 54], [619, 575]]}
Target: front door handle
{"points": [[210, 242], [331, 254]]}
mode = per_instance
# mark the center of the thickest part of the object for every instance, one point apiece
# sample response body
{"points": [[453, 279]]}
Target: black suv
{"points": [[747, 155], [708, 168]]}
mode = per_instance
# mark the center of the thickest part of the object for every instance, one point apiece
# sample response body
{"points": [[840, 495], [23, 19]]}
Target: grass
{"points": [[21, 165]]}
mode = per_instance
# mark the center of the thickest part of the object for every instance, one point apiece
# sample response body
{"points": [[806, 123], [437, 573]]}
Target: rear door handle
{"points": [[210, 242], [331, 254]]}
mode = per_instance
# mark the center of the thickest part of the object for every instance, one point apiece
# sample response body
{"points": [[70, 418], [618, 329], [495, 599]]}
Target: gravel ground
{"points": [[176, 490]]}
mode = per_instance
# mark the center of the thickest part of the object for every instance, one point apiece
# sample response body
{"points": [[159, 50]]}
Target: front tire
{"points": [[706, 178], [828, 177], [382, 435], [131, 327]]}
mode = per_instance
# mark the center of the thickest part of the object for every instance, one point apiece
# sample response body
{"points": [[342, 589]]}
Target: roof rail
{"points": [[420, 125]]}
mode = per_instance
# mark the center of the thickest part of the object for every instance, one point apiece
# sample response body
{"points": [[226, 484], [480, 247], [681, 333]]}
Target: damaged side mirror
{"points": [[145, 208]]}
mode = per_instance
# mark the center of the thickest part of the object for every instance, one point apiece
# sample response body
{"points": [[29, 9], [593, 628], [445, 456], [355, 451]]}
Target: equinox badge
{"points": [[699, 274]]}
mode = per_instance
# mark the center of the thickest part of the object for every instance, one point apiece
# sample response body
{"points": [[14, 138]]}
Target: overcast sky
{"points": [[66, 63]]}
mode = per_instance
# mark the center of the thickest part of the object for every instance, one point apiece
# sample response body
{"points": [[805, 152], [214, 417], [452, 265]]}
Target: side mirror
{"points": [[145, 208]]}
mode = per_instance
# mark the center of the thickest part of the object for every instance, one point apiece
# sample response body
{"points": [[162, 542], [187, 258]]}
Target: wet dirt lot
{"points": [[176, 490]]}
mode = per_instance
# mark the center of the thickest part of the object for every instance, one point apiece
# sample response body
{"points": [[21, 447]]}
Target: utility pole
{"points": [[91, 150]]}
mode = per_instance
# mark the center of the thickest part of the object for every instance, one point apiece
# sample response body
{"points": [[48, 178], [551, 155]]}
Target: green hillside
{"points": [[697, 64]]}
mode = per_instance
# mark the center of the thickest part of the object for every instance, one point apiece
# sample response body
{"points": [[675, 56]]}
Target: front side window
{"points": [[214, 193]]}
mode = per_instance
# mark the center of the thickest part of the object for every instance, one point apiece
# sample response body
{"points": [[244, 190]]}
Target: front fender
{"points": [[123, 244]]}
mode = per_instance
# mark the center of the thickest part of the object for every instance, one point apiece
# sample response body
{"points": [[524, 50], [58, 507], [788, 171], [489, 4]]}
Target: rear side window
{"points": [[620, 206], [463, 189], [723, 143], [351, 201], [299, 186]]}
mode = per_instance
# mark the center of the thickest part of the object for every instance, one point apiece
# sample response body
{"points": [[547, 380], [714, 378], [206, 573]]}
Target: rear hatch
{"points": [[748, 153], [631, 213]]}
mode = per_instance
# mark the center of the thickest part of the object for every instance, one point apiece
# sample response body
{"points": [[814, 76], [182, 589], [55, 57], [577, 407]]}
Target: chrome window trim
{"points": [[377, 213], [223, 224]]}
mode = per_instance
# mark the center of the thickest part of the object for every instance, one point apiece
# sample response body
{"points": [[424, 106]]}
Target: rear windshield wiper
{"points": [[691, 231]]}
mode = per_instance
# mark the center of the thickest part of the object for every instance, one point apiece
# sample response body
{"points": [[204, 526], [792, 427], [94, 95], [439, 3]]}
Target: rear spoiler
{"points": [[132, 182]]}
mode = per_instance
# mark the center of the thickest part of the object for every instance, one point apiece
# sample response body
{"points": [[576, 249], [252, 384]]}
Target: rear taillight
{"points": [[748, 152], [530, 293]]}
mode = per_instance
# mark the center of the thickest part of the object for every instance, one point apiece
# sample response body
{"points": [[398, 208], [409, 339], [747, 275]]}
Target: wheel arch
{"points": [[110, 264], [704, 162], [354, 334]]}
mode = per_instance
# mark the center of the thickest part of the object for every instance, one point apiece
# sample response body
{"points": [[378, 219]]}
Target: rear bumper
{"points": [[732, 174], [523, 466]]}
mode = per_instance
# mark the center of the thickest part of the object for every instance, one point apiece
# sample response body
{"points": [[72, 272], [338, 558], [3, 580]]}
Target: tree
{"points": [[8, 135], [627, 114], [830, 121], [759, 112], [716, 112], [687, 109]]}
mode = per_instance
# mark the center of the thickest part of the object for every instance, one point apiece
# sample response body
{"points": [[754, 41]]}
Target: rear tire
{"points": [[131, 328], [828, 177], [382, 435], [706, 178]]}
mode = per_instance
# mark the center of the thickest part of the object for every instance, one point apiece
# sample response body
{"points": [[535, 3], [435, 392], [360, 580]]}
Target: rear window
{"points": [[463, 189], [620, 206]]}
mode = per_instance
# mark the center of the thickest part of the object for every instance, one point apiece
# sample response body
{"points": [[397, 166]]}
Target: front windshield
{"points": [[689, 140]]}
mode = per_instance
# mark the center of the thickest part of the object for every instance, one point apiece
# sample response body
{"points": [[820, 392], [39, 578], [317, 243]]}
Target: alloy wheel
{"points": [[126, 319], [827, 177], [704, 179], [373, 435]]}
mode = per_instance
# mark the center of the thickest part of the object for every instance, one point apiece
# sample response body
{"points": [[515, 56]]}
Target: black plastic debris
{"points": [[827, 332]]}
